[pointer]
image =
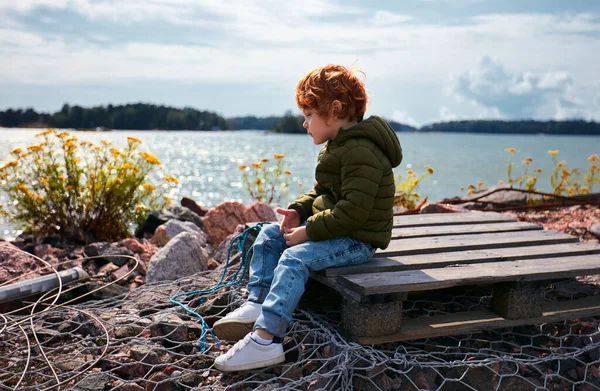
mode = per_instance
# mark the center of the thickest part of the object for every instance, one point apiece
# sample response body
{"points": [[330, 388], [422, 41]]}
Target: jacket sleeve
{"points": [[361, 173], [303, 204]]}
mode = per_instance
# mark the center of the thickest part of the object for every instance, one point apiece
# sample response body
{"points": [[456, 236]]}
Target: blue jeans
{"points": [[278, 273]]}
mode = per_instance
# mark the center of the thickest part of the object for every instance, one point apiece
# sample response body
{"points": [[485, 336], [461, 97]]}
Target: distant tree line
{"points": [[141, 116], [579, 127], [138, 116]]}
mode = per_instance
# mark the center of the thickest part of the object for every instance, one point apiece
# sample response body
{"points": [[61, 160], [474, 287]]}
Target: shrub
{"points": [[563, 181], [406, 195], [265, 182], [78, 190]]}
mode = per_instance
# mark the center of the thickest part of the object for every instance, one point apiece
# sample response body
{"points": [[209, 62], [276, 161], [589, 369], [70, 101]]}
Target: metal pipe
{"points": [[41, 284]]}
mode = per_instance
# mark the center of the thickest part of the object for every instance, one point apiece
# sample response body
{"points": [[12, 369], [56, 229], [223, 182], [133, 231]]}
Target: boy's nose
{"points": [[305, 125]]}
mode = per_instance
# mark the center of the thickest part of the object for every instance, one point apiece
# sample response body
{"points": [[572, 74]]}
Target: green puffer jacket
{"points": [[354, 189]]}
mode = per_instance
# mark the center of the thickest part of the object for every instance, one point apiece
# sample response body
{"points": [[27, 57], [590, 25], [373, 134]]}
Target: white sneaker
{"points": [[236, 324], [249, 354]]}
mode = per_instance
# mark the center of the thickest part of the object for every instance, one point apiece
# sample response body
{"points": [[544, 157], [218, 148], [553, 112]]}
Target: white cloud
{"points": [[446, 114], [496, 92], [384, 18], [404, 118]]}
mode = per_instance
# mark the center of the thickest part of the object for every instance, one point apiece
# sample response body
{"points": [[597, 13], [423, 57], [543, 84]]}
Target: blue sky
{"points": [[424, 60]]}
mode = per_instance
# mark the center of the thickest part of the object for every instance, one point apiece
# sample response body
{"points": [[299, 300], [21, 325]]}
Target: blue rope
{"points": [[237, 277]]}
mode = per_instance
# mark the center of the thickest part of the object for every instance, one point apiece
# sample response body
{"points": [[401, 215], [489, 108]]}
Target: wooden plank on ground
{"points": [[468, 322], [429, 261], [474, 242], [450, 219], [486, 273], [462, 229]]}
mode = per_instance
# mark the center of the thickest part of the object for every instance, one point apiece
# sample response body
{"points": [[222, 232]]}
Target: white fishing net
{"points": [[142, 341]]}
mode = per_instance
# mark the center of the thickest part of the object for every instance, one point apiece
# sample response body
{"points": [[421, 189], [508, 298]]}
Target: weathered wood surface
{"points": [[468, 322], [486, 273], [450, 219], [443, 230], [474, 242], [436, 260]]}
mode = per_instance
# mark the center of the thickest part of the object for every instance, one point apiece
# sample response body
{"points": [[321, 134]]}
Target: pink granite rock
{"points": [[221, 220], [132, 245], [259, 211], [15, 263]]}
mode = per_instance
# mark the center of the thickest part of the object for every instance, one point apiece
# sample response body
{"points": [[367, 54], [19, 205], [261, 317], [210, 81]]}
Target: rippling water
{"points": [[206, 163]]}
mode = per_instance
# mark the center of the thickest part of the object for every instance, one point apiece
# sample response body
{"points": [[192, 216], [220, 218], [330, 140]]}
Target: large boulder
{"points": [[15, 263], [181, 257], [172, 228], [222, 220], [259, 211]]}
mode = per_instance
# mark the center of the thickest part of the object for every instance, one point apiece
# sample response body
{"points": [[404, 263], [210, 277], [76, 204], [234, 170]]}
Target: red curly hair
{"points": [[321, 86]]}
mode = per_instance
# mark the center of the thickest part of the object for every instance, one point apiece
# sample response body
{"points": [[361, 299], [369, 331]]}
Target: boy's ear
{"points": [[336, 108]]}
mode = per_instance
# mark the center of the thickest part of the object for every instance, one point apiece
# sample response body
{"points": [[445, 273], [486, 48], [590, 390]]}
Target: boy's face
{"points": [[318, 127]]}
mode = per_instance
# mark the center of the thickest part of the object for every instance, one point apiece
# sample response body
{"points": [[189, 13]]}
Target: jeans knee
{"points": [[290, 260], [269, 231]]}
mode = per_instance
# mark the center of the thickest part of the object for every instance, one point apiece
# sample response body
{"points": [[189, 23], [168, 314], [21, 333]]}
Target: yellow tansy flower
{"points": [[278, 156], [553, 153], [149, 186], [150, 158], [429, 170], [256, 165], [242, 166], [16, 151], [9, 164], [593, 157], [264, 160], [22, 187], [510, 150], [45, 132], [287, 172], [133, 140]]}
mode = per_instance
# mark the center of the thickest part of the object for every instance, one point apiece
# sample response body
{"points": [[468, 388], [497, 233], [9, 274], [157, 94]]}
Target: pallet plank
{"points": [[474, 242], [487, 273], [429, 261], [468, 322], [462, 229], [418, 220]]}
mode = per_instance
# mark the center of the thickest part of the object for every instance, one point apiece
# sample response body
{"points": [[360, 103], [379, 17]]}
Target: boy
{"points": [[340, 222]]}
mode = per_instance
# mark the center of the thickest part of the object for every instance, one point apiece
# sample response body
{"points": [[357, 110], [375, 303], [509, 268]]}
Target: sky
{"points": [[424, 61]]}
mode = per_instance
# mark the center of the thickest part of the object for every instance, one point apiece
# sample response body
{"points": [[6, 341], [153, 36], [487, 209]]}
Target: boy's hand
{"points": [[291, 219], [295, 236]]}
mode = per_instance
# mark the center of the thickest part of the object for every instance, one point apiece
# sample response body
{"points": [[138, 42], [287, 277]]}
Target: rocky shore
{"points": [[127, 335]]}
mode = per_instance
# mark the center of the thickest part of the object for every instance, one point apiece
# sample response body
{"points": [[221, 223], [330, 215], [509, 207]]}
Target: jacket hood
{"points": [[380, 132]]}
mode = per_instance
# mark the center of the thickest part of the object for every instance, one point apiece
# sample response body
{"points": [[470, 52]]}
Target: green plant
{"points": [[406, 196], [265, 182], [562, 180], [78, 190]]}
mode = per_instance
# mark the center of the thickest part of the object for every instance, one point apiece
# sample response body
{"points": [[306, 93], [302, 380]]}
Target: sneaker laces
{"points": [[239, 345]]}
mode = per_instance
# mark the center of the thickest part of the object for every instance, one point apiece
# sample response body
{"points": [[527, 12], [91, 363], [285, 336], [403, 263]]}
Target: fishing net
{"points": [[142, 341]]}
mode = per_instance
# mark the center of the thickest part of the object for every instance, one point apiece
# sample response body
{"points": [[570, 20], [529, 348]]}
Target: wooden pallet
{"points": [[438, 251]]}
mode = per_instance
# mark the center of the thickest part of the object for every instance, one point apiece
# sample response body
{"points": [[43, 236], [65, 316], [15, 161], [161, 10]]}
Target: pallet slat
{"points": [[429, 261], [474, 242], [468, 322], [487, 273], [450, 219], [462, 229]]}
